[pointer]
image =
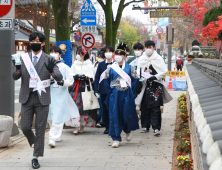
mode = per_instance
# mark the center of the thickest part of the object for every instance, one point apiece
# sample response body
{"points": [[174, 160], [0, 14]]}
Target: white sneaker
{"points": [[81, 129], [98, 125], [116, 144], [52, 143], [144, 130], [76, 130], [128, 137], [156, 132]]}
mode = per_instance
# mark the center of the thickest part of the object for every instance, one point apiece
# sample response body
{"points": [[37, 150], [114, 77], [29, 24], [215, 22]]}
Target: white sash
{"points": [[41, 85], [147, 75], [122, 73], [134, 62], [102, 76]]}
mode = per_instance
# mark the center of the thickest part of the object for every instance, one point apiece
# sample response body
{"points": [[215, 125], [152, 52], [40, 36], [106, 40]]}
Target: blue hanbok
{"points": [[120, 101]]}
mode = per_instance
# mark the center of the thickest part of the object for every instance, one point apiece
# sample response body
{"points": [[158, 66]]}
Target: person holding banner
{"points": [[83, 72], [35, 70], [62, 108], [121, 81], [99, 83], [138, 51], [152, 70]]}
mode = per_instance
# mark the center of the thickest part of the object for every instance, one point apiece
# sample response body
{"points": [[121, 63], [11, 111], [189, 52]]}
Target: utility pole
{"points": [[170, 42], [7, 48], [158, 35]]}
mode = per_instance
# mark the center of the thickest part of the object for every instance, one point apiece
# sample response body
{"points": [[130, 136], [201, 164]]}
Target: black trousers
{"points": [[151, 116], [105, 111], [179, 67]]}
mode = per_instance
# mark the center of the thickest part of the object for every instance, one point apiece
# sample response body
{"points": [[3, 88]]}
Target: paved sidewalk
{"points": [[92, 150]]}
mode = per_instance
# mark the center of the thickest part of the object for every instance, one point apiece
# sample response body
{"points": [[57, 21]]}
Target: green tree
{"points": [[62, 20], [112, 23], [129, 34], [138, 25]]}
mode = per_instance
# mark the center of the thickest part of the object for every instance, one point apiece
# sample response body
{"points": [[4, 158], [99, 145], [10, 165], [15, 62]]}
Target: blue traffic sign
{"points": [[88, 14], [88, 21]]}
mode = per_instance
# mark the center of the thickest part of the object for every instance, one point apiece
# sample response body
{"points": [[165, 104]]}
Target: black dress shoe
{"points": [[106, 131], [35, 164]]}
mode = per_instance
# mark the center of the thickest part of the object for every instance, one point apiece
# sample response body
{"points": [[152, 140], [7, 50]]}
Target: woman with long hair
{"points": [[83, 72]]}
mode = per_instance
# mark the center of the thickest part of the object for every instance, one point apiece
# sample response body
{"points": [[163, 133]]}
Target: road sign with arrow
{"points": [[88, 40]]}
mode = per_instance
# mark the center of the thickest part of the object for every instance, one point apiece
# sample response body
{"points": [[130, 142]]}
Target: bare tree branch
{"points": [[134, 1]]}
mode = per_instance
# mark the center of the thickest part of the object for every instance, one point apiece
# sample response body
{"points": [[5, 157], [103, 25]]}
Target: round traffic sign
{"points": [[88, 40], [159, 30], [5, 7]]}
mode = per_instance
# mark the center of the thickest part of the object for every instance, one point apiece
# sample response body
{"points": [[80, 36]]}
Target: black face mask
{"points": [[36, 46]]}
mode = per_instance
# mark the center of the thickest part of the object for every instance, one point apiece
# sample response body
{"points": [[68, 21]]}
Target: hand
{"points": [[18, 67], [96, 93], [151, 79], [51, 65], [13, 62], [52, 82], [61, 83], [76, 76], [142, 80], [82, 77]]}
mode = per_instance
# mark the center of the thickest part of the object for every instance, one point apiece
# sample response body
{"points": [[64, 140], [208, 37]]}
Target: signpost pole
{"points": [[158, 35], [7, 48], [170, 42]]}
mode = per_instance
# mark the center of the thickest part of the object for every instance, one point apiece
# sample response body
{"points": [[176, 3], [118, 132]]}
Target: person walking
{"points": [[101, 58], [35, 71], [179, 64], [121, 81], [153, 70], [83, 72], [99, 84], [138, 51], [62, 107]]}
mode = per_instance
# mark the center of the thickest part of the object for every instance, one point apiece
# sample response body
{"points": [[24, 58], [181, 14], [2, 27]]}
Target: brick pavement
{"points": [[92, 150]]}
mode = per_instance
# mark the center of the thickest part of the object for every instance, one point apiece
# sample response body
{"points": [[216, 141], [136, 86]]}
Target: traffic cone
{"points": [[170, 86]]}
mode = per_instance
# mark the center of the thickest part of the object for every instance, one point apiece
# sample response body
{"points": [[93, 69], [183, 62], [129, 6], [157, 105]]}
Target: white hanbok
{"points": [[62, 107]]}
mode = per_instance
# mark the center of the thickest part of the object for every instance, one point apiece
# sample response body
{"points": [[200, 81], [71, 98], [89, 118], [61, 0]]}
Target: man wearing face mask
{"points": [[35, 70], [62, 108], [99, 83], [121, 81], [138, 51], [153, 69]]}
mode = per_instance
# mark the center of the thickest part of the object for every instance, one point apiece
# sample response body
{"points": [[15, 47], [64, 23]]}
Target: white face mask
{"points": [[137, 53], [100, 60], [56, 56], [78, 57], [118, 58], [108, 55], [149, 51]]}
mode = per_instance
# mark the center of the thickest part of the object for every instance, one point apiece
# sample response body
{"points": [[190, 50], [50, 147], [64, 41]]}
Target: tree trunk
{"points": [[47, 42], [109, 21], [47, 27], [61, 19], [116, 23]]}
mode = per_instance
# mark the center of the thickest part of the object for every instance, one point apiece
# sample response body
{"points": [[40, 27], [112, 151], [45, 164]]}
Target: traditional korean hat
{"points": [[122, 47]]}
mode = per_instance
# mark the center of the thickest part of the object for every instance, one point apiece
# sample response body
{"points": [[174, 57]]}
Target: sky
{"points": [[134, 13]]}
